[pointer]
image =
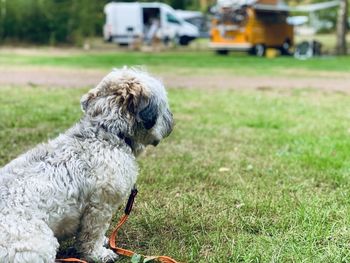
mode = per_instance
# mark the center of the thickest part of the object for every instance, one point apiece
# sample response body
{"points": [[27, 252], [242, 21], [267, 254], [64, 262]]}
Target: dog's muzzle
{"points": [[169, 123], [155, 143]]}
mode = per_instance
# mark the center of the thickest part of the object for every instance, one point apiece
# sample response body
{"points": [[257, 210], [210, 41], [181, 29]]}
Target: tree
{"points": [[342, 27]]}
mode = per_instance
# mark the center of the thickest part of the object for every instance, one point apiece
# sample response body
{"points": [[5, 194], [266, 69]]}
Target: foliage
{"points": [[50, 21]]}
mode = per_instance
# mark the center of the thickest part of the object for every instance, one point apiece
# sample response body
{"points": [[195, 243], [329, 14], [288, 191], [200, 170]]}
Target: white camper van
{"points": [[126, 22]]}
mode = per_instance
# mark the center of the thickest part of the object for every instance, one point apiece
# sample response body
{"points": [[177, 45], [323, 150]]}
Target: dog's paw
{"points": [[106, 242], [103, 255]]}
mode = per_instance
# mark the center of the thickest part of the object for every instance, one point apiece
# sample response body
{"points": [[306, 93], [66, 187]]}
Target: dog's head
{"points": [[131, 104]]}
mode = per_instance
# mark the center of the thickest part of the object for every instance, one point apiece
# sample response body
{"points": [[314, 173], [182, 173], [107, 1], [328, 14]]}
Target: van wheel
{"points": [[222, 52], [259, 50], [184, 40]]}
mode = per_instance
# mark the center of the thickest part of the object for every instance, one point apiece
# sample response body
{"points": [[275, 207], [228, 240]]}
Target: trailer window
{"points": [[172, 19], [272, 17]]}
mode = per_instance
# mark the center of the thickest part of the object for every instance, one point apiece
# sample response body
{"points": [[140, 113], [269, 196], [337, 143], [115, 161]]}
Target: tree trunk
{"points": [[342, 27], [203, 4]]}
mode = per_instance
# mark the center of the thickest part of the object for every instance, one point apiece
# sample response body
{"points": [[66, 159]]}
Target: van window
{"points": [[271, 17], [150, 14], [172, 19]]}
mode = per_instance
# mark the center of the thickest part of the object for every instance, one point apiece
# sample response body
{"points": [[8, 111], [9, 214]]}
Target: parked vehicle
{"points": [[251, 28], [196, 18], [126, 22], [254, 25]]}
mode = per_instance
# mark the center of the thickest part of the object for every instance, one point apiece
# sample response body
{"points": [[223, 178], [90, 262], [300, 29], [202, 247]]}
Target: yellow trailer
{"points": [[252, 28]]}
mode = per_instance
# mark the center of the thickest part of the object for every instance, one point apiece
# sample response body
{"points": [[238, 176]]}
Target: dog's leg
{"points": [[91, 238], [26, 241]]}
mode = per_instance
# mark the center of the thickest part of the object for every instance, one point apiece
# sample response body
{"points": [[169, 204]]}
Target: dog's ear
{"points": [[129, 95], [134, 99], [126, 93], [149, 114], [85, 100]]}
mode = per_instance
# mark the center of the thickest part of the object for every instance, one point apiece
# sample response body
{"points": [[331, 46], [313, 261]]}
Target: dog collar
{"points": [[121, 136], [125, 139]]}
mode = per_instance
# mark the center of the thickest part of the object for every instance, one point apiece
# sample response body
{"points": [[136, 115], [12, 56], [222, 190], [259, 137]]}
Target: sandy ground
{"points": [[72, 78]]}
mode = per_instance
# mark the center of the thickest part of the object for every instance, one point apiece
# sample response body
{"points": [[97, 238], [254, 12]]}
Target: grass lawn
{"points": [[246, 176], [180, 61]]}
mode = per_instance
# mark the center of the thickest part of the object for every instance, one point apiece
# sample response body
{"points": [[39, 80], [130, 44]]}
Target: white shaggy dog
{"points": [[71, 185]]}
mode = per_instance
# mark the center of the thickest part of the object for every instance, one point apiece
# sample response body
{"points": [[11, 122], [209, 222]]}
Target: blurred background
{"points": [[257, 168], [222, 25]]}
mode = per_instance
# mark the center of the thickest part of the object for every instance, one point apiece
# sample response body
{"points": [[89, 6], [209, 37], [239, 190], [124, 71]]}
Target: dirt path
{"points": [[71, 78]]}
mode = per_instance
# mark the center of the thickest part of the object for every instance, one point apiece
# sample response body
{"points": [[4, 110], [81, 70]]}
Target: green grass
{"points": [[189, 62], [282, 197]]}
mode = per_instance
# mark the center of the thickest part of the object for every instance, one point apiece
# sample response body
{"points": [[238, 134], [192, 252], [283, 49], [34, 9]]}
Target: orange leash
{"points": [[113, 237], [70, 260]]}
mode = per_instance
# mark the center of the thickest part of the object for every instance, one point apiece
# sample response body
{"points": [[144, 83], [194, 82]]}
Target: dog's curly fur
{"points": [[71, 185]]}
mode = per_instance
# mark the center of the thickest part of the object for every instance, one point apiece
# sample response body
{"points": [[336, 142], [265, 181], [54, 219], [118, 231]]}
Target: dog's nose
{"points": [[155, 143]]}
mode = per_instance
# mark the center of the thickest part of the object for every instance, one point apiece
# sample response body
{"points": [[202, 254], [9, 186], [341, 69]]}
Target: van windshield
{"points": [[172, 19]]}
